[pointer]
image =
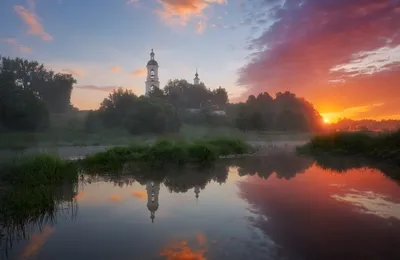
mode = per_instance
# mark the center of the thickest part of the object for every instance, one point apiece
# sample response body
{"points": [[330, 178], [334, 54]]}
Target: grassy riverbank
{"points": [[382, 147], [47, 169]]}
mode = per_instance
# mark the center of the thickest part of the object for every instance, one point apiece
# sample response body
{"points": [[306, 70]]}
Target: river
{"points": [[277, 206]]}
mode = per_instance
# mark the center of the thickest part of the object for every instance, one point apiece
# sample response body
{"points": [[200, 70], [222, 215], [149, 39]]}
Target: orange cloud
{"points": [[141, 72], [183, 10], [14, 43], [33, 21], [140, 194], [74, 72], [182, 250], [116, 69], [37, 241], [97, 88], [116, 198]]}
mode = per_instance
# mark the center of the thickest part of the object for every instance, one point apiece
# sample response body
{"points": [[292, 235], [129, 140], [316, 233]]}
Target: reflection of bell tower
{"points": [[197, 191], [152, 188]]}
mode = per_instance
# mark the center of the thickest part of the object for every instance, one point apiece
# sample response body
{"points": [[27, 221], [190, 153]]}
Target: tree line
{"points": [[29, 93], [284, 113]]}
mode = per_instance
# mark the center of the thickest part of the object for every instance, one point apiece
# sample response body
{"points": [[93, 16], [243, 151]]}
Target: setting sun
{"points": [[326, 121]]}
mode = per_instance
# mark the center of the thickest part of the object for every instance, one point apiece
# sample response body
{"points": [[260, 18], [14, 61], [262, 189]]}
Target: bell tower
{"points": [[152, 74], [196, 79]]}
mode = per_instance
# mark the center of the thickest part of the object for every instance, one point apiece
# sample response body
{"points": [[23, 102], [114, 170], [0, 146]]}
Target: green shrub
{"points": [[164, 151]]}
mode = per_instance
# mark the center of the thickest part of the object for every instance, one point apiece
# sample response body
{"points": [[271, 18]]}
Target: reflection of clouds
{"points": [[139, 194], [181, 250], [371, 203], [116, 198], [37, 241]]}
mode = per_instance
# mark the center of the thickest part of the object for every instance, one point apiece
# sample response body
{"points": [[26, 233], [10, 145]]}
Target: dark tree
{"points": [[20, 109], [137, 115], [53, 88]]}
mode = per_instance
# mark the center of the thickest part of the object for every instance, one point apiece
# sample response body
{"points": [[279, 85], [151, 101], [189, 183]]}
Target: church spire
{"points": [[152, 54]]}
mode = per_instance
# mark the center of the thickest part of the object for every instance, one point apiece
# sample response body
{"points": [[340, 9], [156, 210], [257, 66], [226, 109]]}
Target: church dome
{"points": [[152, 63], [152, 207]]}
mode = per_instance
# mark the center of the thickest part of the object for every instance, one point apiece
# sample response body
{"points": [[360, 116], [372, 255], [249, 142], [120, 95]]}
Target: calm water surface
{"points": [[271, 207]]}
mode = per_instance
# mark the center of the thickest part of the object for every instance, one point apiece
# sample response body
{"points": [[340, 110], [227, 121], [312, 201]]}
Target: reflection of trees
{"points": [[189, 178], [24, 209], [345, 163], [285, 164]]}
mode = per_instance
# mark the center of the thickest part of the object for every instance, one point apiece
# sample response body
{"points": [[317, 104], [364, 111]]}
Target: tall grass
{"points": [[37, 169], [379, 146]]}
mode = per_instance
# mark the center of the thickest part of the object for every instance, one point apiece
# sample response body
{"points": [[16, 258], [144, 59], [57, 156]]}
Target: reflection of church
{"points": [[152, 79], [153, 191]]}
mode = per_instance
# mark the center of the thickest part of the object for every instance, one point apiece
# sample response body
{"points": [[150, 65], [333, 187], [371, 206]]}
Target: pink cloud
{"points": [[32, 21], [74, 72], [140, 72], [308, 50], [15, 44], [116, 69]]}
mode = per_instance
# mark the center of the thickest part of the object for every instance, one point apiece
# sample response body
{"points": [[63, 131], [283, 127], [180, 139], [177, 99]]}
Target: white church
{"points": [[152, 79]]}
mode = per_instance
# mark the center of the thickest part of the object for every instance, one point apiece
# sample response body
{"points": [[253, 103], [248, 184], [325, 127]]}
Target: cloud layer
{"points": [[337, 53]]}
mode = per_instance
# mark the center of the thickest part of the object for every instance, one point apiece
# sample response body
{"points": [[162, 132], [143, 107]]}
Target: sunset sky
{"points": [[343, 56]]}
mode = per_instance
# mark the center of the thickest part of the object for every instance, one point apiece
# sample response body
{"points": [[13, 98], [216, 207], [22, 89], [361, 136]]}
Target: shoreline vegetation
{"points": [[381, 147], [42, 169]]}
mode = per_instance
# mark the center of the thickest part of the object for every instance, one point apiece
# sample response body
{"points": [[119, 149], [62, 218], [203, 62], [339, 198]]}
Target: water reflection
{"points": [[279, 206], [31, 213], [371, 203], [181, 250]]}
